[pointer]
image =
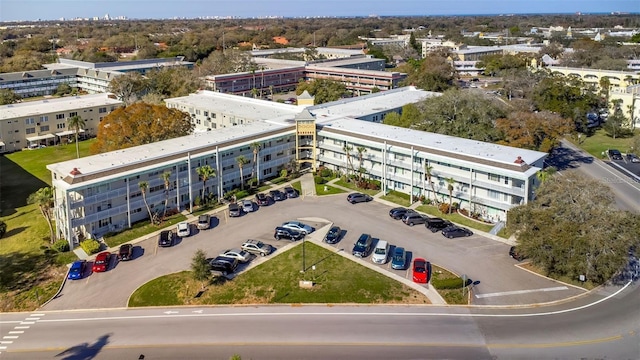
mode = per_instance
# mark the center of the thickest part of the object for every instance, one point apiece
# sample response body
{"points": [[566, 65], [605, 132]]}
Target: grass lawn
{"points": [[336, 279], [140, 229], [454, 217], [298, 186], [29, 273], [451, 296], [397, 197], [330, 190], [600, 142], [353, 186]]}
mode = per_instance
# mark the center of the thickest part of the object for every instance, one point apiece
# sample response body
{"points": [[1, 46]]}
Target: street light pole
{"points": [[304, 265]]}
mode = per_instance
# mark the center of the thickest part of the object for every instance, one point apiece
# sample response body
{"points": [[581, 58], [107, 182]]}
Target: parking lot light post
{"points": [[304, 266]]}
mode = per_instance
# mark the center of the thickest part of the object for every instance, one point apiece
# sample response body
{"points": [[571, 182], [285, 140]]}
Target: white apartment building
{"points": [[99, 194], [44, 122]]}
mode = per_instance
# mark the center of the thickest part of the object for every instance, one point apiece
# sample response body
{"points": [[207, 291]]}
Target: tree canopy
{"points": [[323, 90], [433, 73], [572, 228], [140, 124], [540, 131], [7, 96]]}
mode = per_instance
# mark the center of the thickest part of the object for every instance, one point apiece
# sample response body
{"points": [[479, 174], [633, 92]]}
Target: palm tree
{"points": [[450, 182], [427, 174], [361, 150], [347, 149], [256, 150], [76, 123], [44, 199], [241, 161], [166, 176], [144, 186], [205, 172]]}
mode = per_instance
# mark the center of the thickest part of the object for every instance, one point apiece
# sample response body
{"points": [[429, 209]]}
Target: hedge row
{"points": [[90, 246], [451, 283]]}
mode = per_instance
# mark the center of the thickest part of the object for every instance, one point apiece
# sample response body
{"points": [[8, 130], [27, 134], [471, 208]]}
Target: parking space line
{"points": [[518, 292], [27, 322], [16, 332], [22, 327]]}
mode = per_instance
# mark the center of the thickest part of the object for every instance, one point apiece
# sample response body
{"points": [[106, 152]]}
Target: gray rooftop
{"points": [[346, 61], [48, 106], [243, 107], [47, 73]]}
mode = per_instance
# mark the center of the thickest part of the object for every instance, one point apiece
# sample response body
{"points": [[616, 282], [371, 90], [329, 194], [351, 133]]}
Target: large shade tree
{"points": [[140, 124], [43, 198], [573, 228]]}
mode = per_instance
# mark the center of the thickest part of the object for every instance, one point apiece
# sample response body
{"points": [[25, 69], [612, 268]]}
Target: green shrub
{"points": [[242, 194], [61, 245], [3, 228], [319, 180], [455, 283], [90, 246], [326, 173]]}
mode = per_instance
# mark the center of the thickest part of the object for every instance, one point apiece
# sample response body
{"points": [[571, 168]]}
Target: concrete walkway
{"points": [[307, 185]]}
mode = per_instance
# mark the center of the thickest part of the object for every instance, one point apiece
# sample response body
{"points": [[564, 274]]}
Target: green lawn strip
{"points": [[451, 296], [279, 180], [353, 186], [297, 185], [397, 197], [600, 142], [330, 190], [205, 209], [336, 279], [141, 229], [457, 218], [576, 282]]}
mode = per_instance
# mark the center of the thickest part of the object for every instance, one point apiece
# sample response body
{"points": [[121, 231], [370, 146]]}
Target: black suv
{"points": [[125, 253], [223, 265], [277, 195], [514, 253], [358, 198], [290, 192], [437, 224], [615, 154], [413, 218], [399, 212], [363, 246], [288, 234], [165, 239]]}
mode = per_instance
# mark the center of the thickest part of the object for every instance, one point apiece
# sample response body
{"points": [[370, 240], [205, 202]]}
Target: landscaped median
{"points": [[335, 279]]}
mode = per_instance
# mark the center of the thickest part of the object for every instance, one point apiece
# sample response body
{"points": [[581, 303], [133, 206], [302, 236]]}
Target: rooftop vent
{"points": [[75, 172], [519, 161]]}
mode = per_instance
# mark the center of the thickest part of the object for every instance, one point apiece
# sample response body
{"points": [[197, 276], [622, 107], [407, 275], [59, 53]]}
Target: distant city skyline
{"points": [[16, 10]]}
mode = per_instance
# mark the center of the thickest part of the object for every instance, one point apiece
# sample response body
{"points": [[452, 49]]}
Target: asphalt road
{"points": [[602, 325], [625, 188], [483, 260]]}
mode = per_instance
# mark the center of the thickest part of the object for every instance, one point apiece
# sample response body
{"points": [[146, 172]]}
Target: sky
{"points": [[11, 10]]}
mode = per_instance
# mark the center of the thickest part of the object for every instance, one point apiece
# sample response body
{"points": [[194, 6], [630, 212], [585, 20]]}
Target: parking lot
{"points": [[498, 280]]}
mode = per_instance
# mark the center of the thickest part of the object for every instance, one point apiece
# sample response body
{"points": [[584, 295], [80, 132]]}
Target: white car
{"points": [[298, 226], [380, 252], [247, 206], [241, 255], [183, 229]]}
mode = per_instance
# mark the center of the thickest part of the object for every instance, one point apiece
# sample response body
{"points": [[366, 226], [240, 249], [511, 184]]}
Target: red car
{"points": [[421, 270], [102, 262]]}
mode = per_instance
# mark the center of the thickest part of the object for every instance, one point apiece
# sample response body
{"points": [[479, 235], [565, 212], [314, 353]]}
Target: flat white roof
{"points": [[451, 144], [242, 107], [357, 107], [161, 150], [52, 105]]}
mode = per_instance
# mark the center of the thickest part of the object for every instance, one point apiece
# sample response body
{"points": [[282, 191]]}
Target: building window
{"points": [[44, 128], [30, 130], [29, 121], [227, 167], [59, 116], [102, 110], [266, 172], [104, 222], [72, 114], [494, 177], [44, 118], [493, 194]]}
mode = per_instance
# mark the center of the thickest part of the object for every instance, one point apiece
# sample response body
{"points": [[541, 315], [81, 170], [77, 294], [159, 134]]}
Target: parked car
{"points": [[223, 265], [380, 252], [421, 270], [277, 195], [165, 239], [234, 210], [204, 221], [257, 247], [262, 199], [355, 198], [399, 259], [362, 248], [242, 255], [287, 234], [413, 218], [125, 253], [333, 236], [514, 253], [615, 154], [290, 192], [183, 229], [247, 206], [633, 158], [101, 263], [77, 270], [298, 226], [399, 212], [437, 224], [455, 231]]}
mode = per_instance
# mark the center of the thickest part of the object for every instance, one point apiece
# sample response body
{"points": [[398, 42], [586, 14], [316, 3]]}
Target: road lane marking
{"points": [[21, 327], [518, 292], [10, 337], [16, 332], [32, 318], [6, 342], [27, 322], [37, 314], [3, 347]]}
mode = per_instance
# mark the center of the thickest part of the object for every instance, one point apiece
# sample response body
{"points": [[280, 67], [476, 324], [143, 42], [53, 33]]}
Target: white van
{"points": [[381, 252]]}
